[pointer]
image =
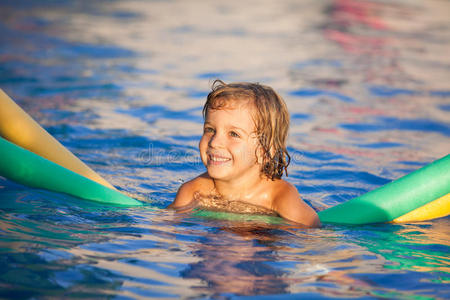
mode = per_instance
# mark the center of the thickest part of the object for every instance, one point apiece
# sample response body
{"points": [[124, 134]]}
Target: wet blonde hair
{"points": [[271, 119]]}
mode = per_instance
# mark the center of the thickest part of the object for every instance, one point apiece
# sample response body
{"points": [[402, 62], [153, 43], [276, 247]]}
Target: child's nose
{"points": [[216, 141]]}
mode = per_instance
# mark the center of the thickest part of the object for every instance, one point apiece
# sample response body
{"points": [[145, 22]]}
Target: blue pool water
{"points": [[122, 84]]}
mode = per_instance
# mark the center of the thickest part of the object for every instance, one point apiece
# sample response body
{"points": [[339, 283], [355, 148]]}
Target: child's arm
{"points": [[184, 197], [290, 206]]}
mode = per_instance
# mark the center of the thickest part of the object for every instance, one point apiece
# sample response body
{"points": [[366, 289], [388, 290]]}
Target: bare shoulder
{"points": [[185, 194], [284, 189], [289, 205]]}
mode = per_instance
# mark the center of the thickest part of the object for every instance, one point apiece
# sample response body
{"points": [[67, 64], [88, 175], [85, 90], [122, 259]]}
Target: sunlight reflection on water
{"points": [[122, 83]]}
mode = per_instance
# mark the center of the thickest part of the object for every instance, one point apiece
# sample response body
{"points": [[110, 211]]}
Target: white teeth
{"points": [[219, 159]]}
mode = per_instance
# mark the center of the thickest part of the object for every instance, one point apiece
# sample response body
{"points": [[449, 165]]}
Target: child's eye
{"points": [[234, 134], [208, 129]]}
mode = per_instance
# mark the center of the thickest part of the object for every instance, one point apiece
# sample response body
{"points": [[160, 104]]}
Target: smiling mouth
{"points": [[217, 159]]}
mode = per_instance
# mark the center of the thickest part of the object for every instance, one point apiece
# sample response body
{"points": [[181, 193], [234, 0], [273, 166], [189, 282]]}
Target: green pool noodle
{"points": [[394, 199], [27, 168]]}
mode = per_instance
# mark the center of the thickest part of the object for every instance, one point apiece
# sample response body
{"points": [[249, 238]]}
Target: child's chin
{"points": [[216, 174]]}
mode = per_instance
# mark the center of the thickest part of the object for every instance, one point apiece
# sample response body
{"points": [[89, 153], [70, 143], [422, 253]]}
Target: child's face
{"points": [[229, 143]]}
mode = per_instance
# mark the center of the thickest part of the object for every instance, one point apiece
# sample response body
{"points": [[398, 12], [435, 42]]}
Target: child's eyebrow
{"points": [[230, 127], [238, 128]]}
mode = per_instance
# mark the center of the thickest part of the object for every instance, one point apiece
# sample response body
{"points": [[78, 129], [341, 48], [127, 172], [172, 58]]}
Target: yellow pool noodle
{"points": [[19, 128], [435, 209]]}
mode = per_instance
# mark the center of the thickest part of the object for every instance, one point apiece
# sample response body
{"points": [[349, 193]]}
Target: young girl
{"points": [[244, 150]]}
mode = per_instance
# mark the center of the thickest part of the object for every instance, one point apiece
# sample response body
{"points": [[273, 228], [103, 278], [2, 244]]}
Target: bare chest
{"points": [[218, 203]]}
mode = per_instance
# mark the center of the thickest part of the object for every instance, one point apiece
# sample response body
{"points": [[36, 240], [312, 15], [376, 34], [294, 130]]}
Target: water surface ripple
{"points": [[122, 84]]}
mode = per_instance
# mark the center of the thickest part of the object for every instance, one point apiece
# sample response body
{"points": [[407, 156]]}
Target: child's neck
{"points": [[239, 189]]}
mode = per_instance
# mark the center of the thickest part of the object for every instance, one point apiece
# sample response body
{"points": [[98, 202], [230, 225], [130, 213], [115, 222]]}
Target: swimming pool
{"points": [[122, 83]]}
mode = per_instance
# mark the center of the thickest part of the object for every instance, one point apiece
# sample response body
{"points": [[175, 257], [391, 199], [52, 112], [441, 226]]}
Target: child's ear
{"points": [[259, 155]]}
